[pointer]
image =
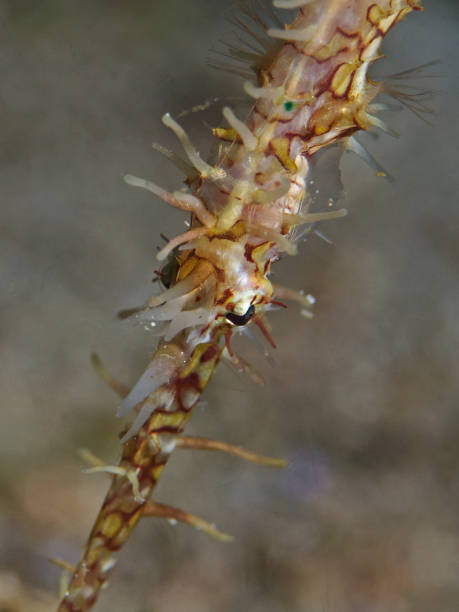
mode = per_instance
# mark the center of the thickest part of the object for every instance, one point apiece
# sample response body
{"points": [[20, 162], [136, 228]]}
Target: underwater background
{"points": [[362, 400]]}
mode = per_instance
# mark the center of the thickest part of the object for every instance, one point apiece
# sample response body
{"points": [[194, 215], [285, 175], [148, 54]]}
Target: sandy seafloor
{"points": [[363, 399]]}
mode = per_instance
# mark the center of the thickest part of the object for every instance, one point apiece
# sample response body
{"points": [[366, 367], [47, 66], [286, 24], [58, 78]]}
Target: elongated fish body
{"points": [[312, 92]]}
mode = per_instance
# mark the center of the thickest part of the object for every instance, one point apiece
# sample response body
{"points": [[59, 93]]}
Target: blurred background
{"points": [[362, 400]]}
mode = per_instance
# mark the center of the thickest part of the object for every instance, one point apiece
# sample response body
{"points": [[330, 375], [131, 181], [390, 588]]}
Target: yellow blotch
{"points": [[170, 419], [342, 79], [238, 230], [321, 128], [156, 472], [111, 525], [186, 267], [281, 148], [259, 253], [227, 134], [376, 14], [139, 456], [338, 43]]}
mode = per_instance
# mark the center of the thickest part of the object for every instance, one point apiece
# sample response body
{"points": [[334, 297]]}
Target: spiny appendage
{"points": [[143, 459]]}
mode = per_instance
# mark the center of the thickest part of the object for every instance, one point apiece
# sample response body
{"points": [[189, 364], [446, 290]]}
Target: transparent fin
{"points": [[353, 146], [406, 87], [250, 50]]}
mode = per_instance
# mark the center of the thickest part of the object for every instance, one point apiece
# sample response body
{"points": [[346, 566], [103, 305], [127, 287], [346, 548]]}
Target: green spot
{"points": [[289, 105]]}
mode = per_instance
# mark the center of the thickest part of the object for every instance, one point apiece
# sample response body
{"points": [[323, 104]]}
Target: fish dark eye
{"points": [[241, 319]]}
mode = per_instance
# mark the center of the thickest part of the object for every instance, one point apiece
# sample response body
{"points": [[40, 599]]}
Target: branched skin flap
{"points": [[314, 92]]}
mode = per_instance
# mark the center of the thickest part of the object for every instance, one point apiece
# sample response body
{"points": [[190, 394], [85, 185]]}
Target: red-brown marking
{"points": [[227, 294], [209, 353], [248, 250]]}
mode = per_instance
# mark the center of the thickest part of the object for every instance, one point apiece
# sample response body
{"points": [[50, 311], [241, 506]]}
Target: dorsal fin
{"points": [[250, 50]]}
